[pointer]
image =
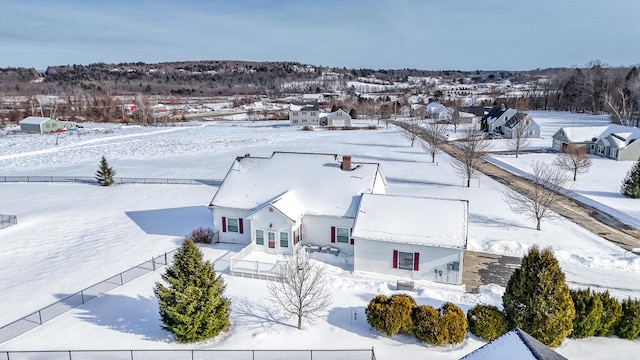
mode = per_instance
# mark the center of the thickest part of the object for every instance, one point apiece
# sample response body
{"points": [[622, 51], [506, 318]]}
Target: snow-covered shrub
{"points": [[588, 307], [629, 324], [487, 322], [611, 314]]}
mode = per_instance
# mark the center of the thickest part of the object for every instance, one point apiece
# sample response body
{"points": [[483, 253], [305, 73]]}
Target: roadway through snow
{"points": [[483, 268]]}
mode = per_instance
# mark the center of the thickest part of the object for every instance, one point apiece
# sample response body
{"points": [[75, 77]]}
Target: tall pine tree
{"points": [[537, 299], [631, 183], [105, 173], [192, 306]]}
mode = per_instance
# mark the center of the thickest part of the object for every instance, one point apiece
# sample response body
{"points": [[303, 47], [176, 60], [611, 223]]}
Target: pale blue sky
{"points": [[377, 34]]}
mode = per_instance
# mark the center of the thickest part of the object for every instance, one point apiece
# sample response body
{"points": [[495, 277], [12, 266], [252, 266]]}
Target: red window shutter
{"points": [[351, 239], [333, 234], [224, 224], [294, 238], [240, 227], [395, 259], [416, 261]]}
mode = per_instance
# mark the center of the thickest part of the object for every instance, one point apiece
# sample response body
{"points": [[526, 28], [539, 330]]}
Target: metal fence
{"points": [[41, 316], [7, 220], [118, 180], [347, 354]]}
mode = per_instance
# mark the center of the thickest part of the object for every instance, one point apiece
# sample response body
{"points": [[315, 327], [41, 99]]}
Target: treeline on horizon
{"points": [[594, 87]]}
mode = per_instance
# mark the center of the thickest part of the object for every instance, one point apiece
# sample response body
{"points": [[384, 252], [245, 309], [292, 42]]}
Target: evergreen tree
{"points": [[105, 173], [611, 314], [353, 113], [588, 307], [192, 306], [537, 299], [631, 183], [629, 325]]}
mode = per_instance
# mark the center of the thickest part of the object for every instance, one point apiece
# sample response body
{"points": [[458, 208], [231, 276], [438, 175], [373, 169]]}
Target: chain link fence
{"points": [[41, 316], [7, 220], [348, 354], [118, 180]]}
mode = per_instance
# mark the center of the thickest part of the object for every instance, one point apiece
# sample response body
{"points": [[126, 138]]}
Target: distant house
{"points": [[616, 142], [515, 344], [438, 112], [335, 118], [44, 124], [496, 118], [303, 114], [329, 202], [523, 123]]}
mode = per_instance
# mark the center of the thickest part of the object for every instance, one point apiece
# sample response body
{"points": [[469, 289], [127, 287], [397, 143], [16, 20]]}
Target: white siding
{"points": [[272, 221], [232, 237], [377, 257], [316, 230]]}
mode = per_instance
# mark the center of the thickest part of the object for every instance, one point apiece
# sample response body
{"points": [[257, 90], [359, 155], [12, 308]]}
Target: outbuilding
{"points": [[43, 125]]}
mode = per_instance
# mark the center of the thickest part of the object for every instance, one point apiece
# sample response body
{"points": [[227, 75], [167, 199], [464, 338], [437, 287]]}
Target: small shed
{"points": [[43, 125]]}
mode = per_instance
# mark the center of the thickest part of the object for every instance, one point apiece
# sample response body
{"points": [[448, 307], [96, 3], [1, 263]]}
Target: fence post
{"points": [[131, 354], [153, 264], [69, 354], [82, 296], [121, 282], [165, 259], [40, 317]]}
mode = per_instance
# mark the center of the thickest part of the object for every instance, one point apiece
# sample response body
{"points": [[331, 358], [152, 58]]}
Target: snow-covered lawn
{"points": [[70, 236]]}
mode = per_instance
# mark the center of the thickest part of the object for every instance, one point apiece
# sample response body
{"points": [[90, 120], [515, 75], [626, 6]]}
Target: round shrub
{"points": [[487, 322], [611, 314], [453, 323], [588, 313], [401, 307], [391, 315], [629, 324], [426, 325]]}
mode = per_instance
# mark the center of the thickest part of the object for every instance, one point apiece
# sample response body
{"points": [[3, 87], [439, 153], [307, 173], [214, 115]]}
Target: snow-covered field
{"points": [[70, 236]]}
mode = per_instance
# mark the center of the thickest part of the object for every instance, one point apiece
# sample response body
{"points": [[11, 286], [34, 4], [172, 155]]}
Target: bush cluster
{"points": [[400, 314], [487, 322]]}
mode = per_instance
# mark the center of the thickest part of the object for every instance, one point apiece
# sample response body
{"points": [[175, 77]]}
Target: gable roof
{"points": [[588, 133], [34, 120], [515, 344], [297, 184], [412, 220]]}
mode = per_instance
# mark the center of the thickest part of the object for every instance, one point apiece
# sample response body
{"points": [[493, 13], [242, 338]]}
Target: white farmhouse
{"points": [[325, 201]]}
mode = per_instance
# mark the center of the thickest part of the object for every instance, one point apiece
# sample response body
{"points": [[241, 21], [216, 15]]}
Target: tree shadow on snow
{"points": [[257, 315], [173, 222], [132, 315], [494, 222]]}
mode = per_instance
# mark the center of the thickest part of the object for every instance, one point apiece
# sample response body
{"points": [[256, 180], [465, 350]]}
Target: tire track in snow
{"points": [[89, 143]]}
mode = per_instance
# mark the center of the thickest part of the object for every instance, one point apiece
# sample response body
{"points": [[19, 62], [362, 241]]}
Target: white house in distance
{"points": [[43, 125], [335, 118], [616, 142], [523, 123], [325, 201], [304, 114]]}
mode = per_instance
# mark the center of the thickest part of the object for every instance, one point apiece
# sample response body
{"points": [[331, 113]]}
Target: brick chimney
{"points": [[346, 163]]}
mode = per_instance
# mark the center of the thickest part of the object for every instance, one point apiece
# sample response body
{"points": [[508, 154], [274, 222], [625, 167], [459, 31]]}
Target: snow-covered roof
{"points": [[588, 133], [516, 344], [412, 220], [297, 184], [34, 120]]}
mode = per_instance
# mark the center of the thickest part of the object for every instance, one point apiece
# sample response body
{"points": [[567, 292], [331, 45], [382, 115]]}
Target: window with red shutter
{"points": [[395, 259]]}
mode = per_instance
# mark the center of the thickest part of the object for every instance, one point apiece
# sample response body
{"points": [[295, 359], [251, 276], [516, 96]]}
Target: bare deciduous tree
{"points": [[519, 137], [472, 148], [302, 290], [412, 131], [573, 159], [434, 136], [549, 184]]}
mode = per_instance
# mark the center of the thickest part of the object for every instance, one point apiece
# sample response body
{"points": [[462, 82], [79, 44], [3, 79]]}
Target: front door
{"points": [[271, 239]]}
